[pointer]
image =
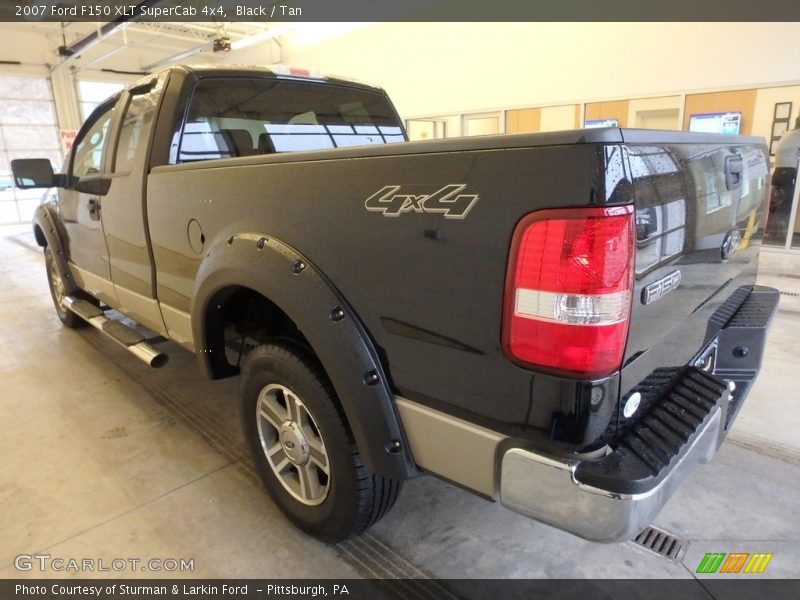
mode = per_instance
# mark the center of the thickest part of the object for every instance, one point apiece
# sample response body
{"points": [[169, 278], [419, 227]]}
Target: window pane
{"points": [[93, 93], [89, 149], [24, 87], [199, 144], [27, 130], [27, 207], [135, 127], [32, 194], [343, 141], [8, 212], [53, 156], [240, 117], [87, 108], [27, 111], [27, 137], [296, 143]]}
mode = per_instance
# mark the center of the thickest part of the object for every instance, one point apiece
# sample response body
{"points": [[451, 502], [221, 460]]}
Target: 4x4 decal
{"points": [[448, 201]]}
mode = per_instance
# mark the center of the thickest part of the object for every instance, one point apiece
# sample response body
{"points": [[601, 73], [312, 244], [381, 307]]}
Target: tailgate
{"points": [[700, 215]]}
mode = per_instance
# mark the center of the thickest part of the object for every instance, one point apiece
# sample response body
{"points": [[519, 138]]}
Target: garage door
{"points": [[27, 130]]}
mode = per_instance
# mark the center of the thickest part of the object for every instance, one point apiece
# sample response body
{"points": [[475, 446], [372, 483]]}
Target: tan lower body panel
{"points": [[179, 326], [450, 447], [163, 319], [100, 288], [141, 309]]}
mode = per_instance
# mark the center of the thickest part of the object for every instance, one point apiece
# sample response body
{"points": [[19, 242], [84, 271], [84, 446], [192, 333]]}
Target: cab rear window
{"points": [[230, 117]]}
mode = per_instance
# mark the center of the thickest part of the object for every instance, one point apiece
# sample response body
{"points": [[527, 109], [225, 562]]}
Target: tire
{"points": [[295, 426], [57, 292]]}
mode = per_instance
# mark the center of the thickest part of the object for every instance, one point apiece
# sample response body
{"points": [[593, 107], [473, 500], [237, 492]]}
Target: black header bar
{"points": [[709, 588], [289, 11]]}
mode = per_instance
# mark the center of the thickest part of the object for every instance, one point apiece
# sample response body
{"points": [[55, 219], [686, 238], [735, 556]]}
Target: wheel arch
{"points": [[38, 234], [49, 233], [290, 283]]}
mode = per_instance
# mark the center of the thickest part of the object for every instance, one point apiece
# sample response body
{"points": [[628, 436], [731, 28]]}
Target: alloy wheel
{"points": [[293, 444]]}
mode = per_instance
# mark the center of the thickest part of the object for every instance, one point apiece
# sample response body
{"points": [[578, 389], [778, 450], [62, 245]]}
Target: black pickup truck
{"points": [[562, 322]]}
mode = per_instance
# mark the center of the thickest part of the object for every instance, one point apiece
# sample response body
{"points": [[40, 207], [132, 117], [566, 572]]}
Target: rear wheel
{"points": [[58, 292], [303, 448]]}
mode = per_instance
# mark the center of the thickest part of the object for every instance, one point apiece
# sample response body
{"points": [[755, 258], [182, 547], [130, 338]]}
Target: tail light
{"points": [[568, 289]]}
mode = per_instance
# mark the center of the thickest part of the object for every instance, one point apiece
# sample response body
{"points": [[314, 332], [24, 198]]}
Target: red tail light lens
{"points": [[568, 289]]}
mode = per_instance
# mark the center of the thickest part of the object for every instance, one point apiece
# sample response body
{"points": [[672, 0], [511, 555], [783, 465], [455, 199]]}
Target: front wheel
{"points": [[303, 447], [58, 292]]}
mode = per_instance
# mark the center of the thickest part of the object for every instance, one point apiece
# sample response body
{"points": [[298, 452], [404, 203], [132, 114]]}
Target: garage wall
{"points": [[559, 118], [445, 68], [743, 101], [603, 111], [27, 44], [523, 120], [655, 113]]}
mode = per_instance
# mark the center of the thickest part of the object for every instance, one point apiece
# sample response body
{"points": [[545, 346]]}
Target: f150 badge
{"points": [[448, 201], [661, 287]]}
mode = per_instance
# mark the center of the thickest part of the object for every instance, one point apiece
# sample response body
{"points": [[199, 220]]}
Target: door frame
{"points": [[499, 115]]}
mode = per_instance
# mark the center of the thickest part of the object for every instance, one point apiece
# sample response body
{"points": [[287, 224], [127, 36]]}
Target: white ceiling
{"points": [[130, 48]]}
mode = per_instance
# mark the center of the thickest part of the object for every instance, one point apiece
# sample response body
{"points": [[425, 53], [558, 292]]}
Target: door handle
{"points": [[733, 171], [94, 209]]}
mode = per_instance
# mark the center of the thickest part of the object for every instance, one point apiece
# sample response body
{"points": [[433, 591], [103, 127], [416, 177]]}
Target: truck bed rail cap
{"points": [[462, 144], [658, 136]]}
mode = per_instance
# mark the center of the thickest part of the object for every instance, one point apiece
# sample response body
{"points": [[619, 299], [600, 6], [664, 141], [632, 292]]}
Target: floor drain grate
{"points": [[790, 293], [658, 541]]}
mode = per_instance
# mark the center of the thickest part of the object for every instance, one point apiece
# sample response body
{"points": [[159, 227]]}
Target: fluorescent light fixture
{"points": [[256, 38], [177, 57]]}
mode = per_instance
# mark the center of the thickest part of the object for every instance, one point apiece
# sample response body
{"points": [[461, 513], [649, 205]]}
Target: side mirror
{"points": [[33, 173], [97, 186]]}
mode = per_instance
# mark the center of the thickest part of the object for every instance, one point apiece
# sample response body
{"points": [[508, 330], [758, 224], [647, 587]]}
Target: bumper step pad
{"points": [[726, 310], [741, 343], [684, 399], [757, 310], [750, 306]]}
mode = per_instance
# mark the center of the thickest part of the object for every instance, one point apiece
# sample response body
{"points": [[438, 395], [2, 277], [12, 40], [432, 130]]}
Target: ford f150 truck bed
{"points": [[562, 322]]}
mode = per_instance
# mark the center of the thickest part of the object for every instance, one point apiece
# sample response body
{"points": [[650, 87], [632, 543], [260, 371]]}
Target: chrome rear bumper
{"points": [[548, 490], [685, 414]]}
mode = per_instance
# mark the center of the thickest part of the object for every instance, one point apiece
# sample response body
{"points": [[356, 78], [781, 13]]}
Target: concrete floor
{"points": [[103, 457]]}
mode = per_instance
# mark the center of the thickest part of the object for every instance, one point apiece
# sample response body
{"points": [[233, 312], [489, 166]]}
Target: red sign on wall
{"points": [[67, 139]]}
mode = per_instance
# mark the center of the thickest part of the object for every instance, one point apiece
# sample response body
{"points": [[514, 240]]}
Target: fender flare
{"points": [[281, 274], [47, 222]]}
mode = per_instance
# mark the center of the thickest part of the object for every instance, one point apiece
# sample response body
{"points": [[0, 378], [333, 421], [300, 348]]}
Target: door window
{"points": [[136, 125], [89, 148]]}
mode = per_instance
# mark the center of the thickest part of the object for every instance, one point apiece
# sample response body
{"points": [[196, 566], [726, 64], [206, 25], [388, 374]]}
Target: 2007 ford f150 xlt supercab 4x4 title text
{"points": [[563, 322]]}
